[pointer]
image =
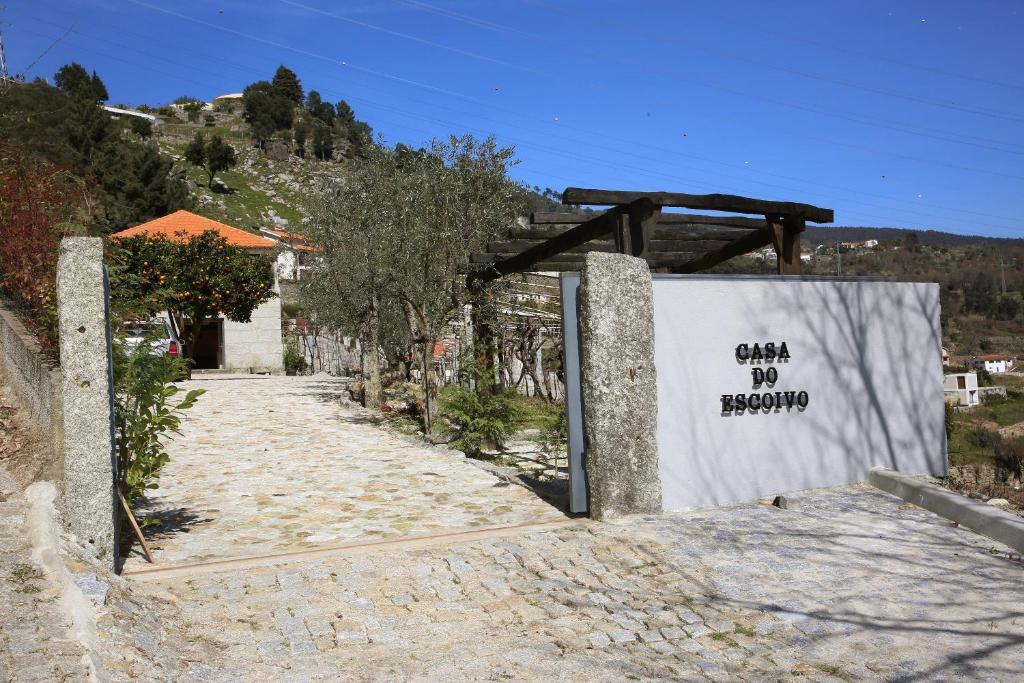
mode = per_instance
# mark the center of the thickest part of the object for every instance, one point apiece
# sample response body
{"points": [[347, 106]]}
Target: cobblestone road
{"points": [[268, 464], [852, 586]]}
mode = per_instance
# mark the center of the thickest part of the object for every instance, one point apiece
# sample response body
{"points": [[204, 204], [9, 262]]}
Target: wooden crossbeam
{"points": [[656, 245], [693, 233], [667, 259], [745, 245], [703, 202], [562, 218], [602, 224]]}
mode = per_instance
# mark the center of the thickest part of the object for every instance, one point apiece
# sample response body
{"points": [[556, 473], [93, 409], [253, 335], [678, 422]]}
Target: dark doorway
{"points": [[209, 349]]}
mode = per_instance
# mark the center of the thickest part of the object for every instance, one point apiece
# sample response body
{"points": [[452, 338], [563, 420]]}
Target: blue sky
{"points": [[893, 114]]}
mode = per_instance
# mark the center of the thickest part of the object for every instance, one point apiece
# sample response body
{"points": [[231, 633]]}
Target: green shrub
{"points": [[979, 437], [1009, 457], [147, 409], [294, 362], [291, 309], [480, 418]]}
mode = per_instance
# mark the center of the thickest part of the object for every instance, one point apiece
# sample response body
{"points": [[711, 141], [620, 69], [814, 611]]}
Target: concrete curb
{"points": [[979, 517]]}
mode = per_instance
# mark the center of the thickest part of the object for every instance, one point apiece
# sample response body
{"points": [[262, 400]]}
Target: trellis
{"points": [[637, 225]]}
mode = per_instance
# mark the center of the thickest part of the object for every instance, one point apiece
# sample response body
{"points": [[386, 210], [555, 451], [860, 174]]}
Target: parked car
{"points": [[159, 332]]}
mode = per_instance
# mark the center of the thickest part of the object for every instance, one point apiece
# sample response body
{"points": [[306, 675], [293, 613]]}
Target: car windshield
{"points": [[144, 329]]}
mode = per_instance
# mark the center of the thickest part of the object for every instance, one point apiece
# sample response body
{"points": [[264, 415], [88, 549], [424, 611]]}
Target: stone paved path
{"points": [[852, 586], [269, 464]]}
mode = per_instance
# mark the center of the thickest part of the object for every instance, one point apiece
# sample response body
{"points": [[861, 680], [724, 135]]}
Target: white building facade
{"points": [[961, 389], [992, 363]]}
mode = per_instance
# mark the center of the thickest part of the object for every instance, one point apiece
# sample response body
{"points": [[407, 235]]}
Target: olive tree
{"points": [[456, 195], [353, 227], [399, 234]]}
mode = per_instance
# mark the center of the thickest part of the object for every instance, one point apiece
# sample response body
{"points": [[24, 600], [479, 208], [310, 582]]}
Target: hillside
{"points": [[261, 189], [826, 235]]}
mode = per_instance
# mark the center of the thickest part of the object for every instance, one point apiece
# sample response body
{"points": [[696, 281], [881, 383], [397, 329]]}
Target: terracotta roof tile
{"points": [[183, 225]]}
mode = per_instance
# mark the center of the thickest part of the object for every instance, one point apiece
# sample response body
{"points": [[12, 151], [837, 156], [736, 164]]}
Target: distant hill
{"points": [[816, 235]]}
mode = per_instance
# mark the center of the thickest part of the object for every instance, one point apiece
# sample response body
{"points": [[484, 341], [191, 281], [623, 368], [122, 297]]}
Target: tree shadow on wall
{"points": [[879, 405]]}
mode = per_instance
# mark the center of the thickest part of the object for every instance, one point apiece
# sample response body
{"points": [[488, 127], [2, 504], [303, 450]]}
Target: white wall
{"points": [[867, 353], [255, 344]]}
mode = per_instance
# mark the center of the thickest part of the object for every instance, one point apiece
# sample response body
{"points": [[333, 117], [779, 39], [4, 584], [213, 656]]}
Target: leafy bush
{"points": [[38, 201], [147, 409], [294, 362], [554, 431], [1009, 457], [480, 418], [979, 437]]}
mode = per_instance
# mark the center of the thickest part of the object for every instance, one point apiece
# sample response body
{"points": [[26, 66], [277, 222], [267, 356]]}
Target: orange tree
{"points": [[194, 279]]}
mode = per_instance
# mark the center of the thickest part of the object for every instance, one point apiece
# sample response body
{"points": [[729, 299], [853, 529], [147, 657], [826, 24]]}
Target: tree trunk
{"points": [[192, 339], [484, 347], [429, 385], [423, 333], [372, 392], [537, 373]]}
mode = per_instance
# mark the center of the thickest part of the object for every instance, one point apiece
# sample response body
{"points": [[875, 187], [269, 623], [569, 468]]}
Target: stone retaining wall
{"points": [[987, 393], [73, 403], [34, 379]]}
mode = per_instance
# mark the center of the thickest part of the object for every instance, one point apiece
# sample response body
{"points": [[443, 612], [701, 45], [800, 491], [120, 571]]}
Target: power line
{"points": [[690, 44], [967, 140], [935, 134], [914, 211]]}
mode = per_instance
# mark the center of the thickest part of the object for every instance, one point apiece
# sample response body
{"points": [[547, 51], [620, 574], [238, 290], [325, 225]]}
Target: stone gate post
{"points": [[618, 385], [90, 502]]}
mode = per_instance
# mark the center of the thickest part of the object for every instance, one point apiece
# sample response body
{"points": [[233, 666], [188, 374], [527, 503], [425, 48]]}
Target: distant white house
{"points": [[993, 363], [945, 356], [293, 253], [962, 389], [117, 113]]}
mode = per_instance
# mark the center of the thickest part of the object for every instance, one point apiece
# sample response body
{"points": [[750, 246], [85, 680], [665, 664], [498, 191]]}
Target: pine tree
{"points": [[286, 84], [318, 109], [265, 111], [74, 80]]}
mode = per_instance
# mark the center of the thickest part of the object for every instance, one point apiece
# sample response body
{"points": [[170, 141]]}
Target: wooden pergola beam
{"points": [[784, 232], [662, 231], [516, 246], [745, 245], [562, 218], [702, 202], [609, 222], [667, 259]]}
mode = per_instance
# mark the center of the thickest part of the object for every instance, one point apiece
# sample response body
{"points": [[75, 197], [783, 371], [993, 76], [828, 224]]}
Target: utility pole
{"points": [[5, 78], [1002, 273], [839, 258]]}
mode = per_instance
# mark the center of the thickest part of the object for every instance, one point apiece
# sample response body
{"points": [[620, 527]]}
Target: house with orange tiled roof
{"points": [[183, 225], [254, 346], [995, 363], [293, 253]]}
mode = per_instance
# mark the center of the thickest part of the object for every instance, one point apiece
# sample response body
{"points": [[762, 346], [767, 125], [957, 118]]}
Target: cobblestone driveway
{"points": [[852, 586], [268, 464]]}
